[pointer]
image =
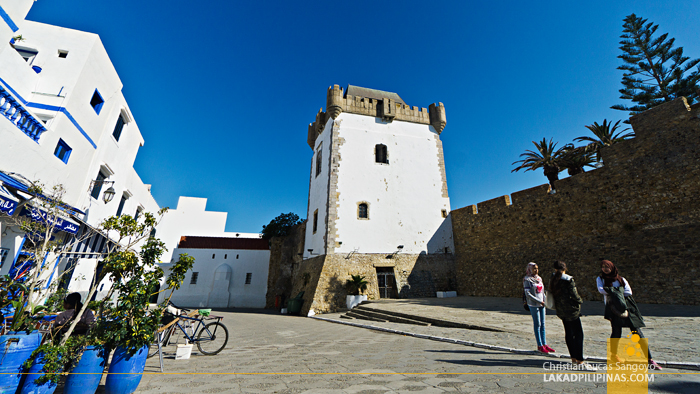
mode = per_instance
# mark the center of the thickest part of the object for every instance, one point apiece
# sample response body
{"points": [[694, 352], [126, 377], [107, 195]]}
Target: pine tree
{"points": [[654, 69]]}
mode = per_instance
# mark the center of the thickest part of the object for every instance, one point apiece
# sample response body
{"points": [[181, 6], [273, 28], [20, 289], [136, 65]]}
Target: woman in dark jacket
{"points": [[568, 306], [620, 307]]}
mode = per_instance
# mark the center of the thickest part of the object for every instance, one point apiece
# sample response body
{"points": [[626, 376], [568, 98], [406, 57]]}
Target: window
{"points": [[62, 151], [118, 128], [225, 256], [153, 233], [380, 155], [213, 255], [248, 277], [3, 254], [97, 188], [363, 211], [193, 279], [96, 102], [319, 161], [444, 213], [236, 257], [121, 204], [138, 213], [315, 221], [62, 54]]}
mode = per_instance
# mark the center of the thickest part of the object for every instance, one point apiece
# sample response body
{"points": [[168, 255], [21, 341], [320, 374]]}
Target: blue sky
{"points": [[223, 92]]}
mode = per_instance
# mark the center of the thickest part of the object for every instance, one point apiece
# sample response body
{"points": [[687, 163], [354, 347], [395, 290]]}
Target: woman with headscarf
{"points": [[618, 296], [534, 294], [568, 305]]}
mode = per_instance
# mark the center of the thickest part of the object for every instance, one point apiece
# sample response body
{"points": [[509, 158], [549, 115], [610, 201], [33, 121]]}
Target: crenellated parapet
{"points": [[385, 105]]}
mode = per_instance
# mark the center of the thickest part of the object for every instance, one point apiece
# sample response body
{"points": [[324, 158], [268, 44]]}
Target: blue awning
{"points": [[15, 183], [60, 224], [8, 202]]}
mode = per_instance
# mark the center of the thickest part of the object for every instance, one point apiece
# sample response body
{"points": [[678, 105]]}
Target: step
{"points": [[347, 317], [363, 317], [384, 316], [433, 321]]}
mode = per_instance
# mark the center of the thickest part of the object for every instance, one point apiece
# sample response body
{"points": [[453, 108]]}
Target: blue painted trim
{"points": [[53, 272], [68, 115], [19, 250], [8, 20], [51, 108]]}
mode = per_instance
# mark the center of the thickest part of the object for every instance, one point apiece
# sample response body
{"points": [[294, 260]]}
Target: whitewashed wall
{"points": [[209, 289], [318, 195], [404, 197]]}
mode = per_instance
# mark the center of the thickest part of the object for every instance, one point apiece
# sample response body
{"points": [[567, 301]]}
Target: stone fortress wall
{"points": [[639, 210]]}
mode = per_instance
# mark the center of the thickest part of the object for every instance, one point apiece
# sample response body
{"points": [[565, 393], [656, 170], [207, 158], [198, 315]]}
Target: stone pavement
{"points": [[672, 330], [272, 353]]}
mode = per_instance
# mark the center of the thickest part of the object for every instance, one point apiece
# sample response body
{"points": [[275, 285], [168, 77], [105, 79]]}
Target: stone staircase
{"points": [[375, 313]]}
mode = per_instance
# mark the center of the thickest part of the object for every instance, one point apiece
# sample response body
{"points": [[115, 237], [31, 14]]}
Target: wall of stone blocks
{"points": [[640, 211], [285, 259]]}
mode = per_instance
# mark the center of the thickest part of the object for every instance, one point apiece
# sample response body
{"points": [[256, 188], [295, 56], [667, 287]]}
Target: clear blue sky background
{"points": [[223, 91]]}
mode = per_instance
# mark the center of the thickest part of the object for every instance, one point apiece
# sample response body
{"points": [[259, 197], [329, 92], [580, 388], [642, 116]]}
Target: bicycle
{"points": [[211, 338]]}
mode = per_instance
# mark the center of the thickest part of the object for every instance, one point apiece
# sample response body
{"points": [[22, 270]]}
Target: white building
{"points": [[64, 120], [227, 273], [377, 179]]}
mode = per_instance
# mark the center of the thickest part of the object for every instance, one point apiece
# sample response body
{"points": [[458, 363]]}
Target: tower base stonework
{"points": [[323, 278]]}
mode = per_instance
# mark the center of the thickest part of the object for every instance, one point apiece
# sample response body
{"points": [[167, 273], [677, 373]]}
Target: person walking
{"points": [[534, 294], [567, 303], [615, 289]]}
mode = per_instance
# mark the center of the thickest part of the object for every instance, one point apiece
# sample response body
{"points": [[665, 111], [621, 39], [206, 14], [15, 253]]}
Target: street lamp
{"points": [[108, 194]]}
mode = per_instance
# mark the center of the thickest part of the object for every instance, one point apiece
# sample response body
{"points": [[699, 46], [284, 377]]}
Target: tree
{"points": [[280, 226], [356, 285], [605, 136], [654, 69], [575, 158], [547, 157]]}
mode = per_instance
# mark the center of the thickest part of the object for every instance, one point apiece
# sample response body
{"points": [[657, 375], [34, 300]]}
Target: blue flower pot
{"points": [[125, 371], [85, 377], [35, 372], [15, 349]]}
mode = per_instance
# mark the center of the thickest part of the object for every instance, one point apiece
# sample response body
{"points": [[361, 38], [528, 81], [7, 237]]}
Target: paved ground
{"points": [[271, 353], [672, 330]]}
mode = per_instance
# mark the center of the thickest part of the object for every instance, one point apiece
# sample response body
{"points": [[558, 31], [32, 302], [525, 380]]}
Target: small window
{"points": [[153, 233], [118, 128], [315, 221], [319, 161], [444, 213], [96, 102], [236, 257], [121, 204], [97, 188], [225, 256], [380, 155], [248, 277], [213, 255], [62, 54], [62, 151], [102, 286], [362, 211], [193, 279], [138, 213]]}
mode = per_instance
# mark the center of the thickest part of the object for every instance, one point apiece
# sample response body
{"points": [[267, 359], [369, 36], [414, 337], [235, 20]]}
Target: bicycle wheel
{"points": [[212, 338]]}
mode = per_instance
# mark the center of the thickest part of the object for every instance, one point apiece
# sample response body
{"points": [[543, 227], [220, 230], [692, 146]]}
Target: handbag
{"points": [[549, 300], [525, 306]]}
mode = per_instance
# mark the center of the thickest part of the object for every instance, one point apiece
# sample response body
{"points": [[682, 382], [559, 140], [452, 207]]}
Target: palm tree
{"points": [[575, 158], [547, 157], [356, 285], [605, 135]]}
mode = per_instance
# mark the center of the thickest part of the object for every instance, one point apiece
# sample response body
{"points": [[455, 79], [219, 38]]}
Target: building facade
{"points": [[227, 273]]}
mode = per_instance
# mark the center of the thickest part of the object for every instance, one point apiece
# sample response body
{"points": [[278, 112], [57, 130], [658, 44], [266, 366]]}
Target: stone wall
{"points": [[285, 257], [640, 211], [323, 278]]}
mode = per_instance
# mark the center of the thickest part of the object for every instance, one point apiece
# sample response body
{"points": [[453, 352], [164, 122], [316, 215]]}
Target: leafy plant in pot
{"points": [[355, 286]]}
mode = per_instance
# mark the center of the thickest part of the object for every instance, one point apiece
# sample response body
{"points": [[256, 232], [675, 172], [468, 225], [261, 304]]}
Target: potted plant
{"points": [[355, 286]]}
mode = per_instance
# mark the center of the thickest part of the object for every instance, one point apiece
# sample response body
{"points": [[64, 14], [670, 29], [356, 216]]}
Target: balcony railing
{"points": [[20, 117]]}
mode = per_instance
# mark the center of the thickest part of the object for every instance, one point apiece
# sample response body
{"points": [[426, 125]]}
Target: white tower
{"points": [[378, 182]]}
